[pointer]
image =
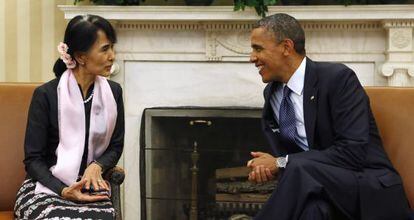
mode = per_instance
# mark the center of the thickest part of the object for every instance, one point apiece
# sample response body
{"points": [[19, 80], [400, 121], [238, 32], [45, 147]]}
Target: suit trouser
{"points": [[317, 209], [312, 190]]}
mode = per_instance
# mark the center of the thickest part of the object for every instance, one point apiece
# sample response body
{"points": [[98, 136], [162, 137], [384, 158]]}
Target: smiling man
{"points": [[326, 149]]}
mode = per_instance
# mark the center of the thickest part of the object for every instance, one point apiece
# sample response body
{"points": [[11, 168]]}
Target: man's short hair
{"points": [[284, 26]]}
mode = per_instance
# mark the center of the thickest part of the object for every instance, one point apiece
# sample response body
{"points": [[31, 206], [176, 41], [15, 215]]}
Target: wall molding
{"points": [[226, 26], [226, 13]]}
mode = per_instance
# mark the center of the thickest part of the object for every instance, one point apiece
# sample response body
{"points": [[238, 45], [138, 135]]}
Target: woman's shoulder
{"points": [[114, 84], [115, 87], [47, 89], [49, 86], [46, 93]]}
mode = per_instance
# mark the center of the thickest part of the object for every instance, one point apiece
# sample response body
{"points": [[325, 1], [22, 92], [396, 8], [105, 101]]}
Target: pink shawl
{"points": [[71, 120]]}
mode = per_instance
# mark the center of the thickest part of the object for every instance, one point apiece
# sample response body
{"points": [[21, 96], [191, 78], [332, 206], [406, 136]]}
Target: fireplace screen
{"points": [[193, 163]]}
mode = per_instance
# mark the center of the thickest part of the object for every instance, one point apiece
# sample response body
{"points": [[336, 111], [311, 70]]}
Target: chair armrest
{"points": [[115, 175]]}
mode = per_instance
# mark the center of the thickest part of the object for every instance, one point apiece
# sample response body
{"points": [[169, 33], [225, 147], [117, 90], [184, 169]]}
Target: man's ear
{"points": [[289, 46], [80, 58]]}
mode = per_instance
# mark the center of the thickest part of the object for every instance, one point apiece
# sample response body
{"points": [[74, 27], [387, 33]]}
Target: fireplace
{"points": [[186, 154]]}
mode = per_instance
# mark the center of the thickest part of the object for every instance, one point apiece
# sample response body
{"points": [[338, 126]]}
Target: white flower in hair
{"points": [[65, 57]]}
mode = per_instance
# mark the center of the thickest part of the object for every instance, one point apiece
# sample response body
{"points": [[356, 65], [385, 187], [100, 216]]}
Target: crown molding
{"points": [[226, 13]]}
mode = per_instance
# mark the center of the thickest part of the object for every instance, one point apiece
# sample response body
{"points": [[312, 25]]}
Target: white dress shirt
{"points": [[296, 84]]}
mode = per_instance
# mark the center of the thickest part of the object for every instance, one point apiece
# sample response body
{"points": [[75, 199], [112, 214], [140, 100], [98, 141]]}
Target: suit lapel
{"points": [[310, 100], [267, 109]]}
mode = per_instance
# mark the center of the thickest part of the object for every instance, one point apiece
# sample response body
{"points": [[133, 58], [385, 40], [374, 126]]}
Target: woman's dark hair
{"points": [[81, 33]]}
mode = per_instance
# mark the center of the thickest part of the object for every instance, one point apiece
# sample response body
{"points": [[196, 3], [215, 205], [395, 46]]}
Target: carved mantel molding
{"points": [[399, 66], [226, 33], [226, 13]]}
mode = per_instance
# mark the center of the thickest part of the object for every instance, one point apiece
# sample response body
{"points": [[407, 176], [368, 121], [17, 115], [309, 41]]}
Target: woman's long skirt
{"points": [[44, 206]]}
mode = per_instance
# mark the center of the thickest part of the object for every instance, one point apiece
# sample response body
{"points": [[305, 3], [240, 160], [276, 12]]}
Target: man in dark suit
{"points": [[327, 152]]}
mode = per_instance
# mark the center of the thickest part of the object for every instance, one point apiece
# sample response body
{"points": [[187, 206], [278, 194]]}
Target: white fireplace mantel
{"points": [[198, 56], [377, 34]]}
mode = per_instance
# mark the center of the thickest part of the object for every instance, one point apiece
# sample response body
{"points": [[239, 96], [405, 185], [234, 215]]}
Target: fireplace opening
{"points": [[193, 163]]}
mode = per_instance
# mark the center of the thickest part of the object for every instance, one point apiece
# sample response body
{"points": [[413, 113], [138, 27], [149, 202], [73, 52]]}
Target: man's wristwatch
{"points": [[281, 162]]}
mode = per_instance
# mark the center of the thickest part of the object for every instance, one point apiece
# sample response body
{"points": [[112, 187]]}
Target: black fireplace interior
{"points": [[174, 140]]}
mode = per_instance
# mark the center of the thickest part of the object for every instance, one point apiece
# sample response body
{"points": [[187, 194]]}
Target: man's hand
{"points": [[93, 176], [73, 193], [263, 167]]}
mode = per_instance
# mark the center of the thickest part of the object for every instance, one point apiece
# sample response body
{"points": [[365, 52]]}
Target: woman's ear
{"points": [[80, 58]]}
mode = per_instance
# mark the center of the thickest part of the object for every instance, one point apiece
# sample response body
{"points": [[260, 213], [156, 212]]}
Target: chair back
{"points": [[14, 104], [393, 109]]}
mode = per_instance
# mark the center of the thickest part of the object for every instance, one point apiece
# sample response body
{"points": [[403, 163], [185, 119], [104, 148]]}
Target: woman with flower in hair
{"points": [[75, 129]]}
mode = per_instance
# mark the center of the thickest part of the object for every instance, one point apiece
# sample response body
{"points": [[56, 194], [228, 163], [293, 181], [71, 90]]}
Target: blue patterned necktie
{"points": [[287, 120]]}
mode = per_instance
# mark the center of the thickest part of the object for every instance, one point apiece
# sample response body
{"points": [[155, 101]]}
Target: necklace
{"points": [[89, 98]]}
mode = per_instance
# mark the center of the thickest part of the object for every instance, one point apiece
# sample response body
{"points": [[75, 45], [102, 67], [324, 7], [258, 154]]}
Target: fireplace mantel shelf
{"points": [[226, 13]]}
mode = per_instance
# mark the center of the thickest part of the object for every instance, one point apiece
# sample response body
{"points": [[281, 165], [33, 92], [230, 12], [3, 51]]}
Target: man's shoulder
{"points": [[330, 67], [331, 71], [332, 77]]}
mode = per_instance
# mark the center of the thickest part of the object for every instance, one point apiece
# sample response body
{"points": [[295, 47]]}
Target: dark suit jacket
{"points": [[341, 132]]}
